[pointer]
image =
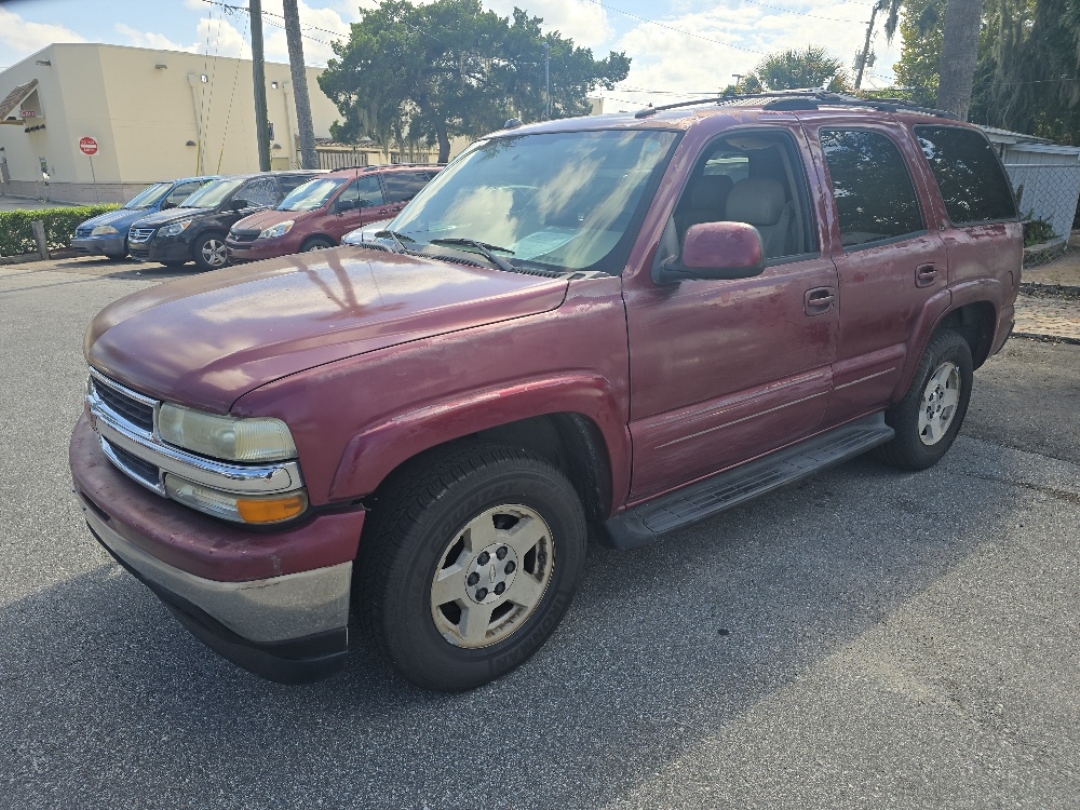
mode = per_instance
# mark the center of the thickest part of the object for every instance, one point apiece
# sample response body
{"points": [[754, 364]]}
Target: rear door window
{"points": [[972, 182], [365, 191], [403, 186], [875, 198]]}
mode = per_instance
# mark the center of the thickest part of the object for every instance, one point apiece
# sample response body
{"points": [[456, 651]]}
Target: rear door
{"points": [[892, 267]]}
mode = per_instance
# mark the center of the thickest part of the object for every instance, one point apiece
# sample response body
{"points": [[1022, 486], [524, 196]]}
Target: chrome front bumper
{"points": [[291, 628]]}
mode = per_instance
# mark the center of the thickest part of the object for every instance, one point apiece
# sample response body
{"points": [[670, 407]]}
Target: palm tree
{"points": [[959, 54], [794, 70], [309, 158]]}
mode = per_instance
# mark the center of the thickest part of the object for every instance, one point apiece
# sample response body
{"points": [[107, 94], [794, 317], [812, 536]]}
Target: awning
{"points": [[14, 99]]}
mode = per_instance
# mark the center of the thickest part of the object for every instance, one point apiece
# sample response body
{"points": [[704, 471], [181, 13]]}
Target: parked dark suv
{"points": [[196, 232], [611, 326]]}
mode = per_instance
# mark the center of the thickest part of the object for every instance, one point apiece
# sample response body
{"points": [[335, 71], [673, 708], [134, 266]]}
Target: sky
{"points": [[679, 48]]}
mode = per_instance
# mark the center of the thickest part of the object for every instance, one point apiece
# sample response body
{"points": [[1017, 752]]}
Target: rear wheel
{"points": [[470, 565], [929, 416], [210, 252]]}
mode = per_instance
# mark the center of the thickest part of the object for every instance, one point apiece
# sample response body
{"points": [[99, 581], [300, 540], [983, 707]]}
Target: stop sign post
{"points": [[88, 146]]}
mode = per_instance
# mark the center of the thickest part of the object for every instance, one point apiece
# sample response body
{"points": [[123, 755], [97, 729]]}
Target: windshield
{"points": [[558, 201], [213, 194], [149, 196], [312, 194]]}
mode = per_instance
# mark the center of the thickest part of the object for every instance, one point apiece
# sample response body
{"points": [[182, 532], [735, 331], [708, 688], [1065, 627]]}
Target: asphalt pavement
{"points": [[863, 639]]}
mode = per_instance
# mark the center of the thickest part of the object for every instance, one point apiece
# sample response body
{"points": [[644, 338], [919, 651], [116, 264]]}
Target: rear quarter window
{"points": [[969, 175], [403, 186]]}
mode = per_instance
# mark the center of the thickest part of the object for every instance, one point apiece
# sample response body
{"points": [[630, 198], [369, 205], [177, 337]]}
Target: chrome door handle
{"points": [[925, 274]]}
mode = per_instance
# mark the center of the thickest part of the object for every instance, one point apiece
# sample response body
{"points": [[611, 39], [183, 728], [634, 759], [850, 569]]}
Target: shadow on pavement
{"points": [[107, 698]]}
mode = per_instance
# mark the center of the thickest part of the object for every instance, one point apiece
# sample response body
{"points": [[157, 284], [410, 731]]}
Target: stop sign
{"points": [[88, 145]]}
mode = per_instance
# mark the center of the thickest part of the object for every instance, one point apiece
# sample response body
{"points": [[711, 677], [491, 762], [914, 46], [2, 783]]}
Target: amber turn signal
{"points": [[271, 511]]}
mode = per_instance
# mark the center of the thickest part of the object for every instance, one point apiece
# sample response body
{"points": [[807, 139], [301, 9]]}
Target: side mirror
{"points": [[166, 205], [715, 250], [239, 205], [345, 205]]}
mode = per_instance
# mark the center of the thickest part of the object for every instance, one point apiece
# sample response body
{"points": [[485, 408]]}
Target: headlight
{"points": [[175, 229], [226, 437], [280, 229], [103, 230], [235, 507]]}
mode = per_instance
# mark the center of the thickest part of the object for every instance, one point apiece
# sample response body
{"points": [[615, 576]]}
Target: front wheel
{"points": [[209, 252], [316, 243], [929, 416], [470, 565]]}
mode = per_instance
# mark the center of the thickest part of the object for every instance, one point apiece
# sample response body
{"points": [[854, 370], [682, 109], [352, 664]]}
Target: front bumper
{"points": [[161, 249], [274, 602], [112, 245], [259, 249]]}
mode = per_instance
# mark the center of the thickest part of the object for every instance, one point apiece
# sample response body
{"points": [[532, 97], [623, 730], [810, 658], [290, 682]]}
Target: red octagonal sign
{"points": [[88, 145]]}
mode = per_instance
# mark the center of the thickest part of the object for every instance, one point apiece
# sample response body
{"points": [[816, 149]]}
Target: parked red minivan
{"points": [[317, 214]]}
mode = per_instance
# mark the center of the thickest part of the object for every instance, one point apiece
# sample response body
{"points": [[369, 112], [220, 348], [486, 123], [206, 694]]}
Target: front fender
{"points": [[372, 454]]}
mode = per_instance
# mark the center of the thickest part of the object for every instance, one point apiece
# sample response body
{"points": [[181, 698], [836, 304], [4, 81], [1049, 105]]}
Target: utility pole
{"points": [[547, 81], [863, 58], [309, 158], [258, 72]]}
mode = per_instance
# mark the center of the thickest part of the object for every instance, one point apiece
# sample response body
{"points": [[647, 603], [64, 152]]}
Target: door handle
{"points": [[925, 274], [818, 300]]}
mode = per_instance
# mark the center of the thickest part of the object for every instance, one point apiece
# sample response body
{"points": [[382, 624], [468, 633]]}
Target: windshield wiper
{"points": [[399, 238], [485, 249]]}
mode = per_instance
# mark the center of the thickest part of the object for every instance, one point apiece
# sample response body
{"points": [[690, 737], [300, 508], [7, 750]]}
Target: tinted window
{"points": [[402, 186], [290, 181], [366, 190], [259, 192], [875, 198], [972, 182], [148, 196], [183, 191]]}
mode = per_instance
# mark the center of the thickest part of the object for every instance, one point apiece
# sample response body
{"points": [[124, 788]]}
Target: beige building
{"points": [[155, 115]]}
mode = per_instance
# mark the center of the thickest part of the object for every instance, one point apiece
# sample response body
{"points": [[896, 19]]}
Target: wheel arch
{"points": [[311, 237], [589, 444]]}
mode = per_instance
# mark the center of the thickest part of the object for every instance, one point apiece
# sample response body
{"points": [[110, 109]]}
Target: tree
{"points": [[425, 74], [309, 158], [959, 49], [794, 70]]}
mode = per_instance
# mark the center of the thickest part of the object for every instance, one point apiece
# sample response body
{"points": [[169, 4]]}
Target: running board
{"points": [[651, 520]]}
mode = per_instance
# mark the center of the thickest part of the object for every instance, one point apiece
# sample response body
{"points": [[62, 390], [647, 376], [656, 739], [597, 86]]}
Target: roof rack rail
{"points": [[811, 97]]}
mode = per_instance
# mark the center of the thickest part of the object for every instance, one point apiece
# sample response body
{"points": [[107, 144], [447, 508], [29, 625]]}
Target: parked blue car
{"points": [[106, 235]]}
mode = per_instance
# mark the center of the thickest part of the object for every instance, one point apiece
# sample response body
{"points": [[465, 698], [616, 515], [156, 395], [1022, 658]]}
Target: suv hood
{"points": [[264, 219], [207, 340]]}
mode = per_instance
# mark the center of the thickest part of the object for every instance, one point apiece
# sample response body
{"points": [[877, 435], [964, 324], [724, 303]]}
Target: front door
{"points": [[724, 371]]}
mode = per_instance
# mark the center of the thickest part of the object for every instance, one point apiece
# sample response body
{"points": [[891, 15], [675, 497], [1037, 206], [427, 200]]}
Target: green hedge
{"points": [[17, 237]]}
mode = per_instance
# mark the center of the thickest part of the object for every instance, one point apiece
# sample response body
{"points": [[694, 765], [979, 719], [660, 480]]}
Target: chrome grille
{"points": [[140, 234], [140, 469], [118, 400]]}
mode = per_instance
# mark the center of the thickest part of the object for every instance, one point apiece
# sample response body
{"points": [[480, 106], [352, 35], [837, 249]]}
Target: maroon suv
{"points": [[616, 325], [317, 214]]}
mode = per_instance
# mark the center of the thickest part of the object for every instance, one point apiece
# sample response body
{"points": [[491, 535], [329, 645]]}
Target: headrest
{"points": [[711, 192], [756, 200]]}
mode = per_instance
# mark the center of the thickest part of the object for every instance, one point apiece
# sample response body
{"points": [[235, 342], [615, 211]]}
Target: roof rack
{"points": [[806, 99]]}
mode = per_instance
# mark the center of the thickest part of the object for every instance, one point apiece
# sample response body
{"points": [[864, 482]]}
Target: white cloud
{"points": [[670, 61], [318, 27], [214, 36], [580, 20], [21, 38]]}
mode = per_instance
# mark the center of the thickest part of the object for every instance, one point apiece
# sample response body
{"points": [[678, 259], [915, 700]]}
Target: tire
{"points": [[316, 243], [209, 251], [421, 575], [929, 416], [118, 256]]}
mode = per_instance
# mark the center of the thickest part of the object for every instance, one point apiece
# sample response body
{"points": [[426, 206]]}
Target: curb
{"points": [[59, 253], [1037, 289], [1045, 338]]}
